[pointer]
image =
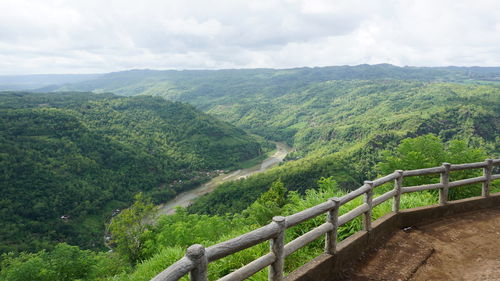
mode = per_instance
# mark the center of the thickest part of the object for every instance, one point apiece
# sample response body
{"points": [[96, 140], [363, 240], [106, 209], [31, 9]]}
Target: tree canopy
{"points": [[68, 160]]}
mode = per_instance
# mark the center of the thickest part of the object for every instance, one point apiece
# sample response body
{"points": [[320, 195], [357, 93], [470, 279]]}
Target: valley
{"points": [[187, 198], [79, 156], [218, 144], [241, 140]]}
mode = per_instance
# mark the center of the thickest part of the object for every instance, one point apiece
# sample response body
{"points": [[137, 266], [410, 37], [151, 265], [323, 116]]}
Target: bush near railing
{"points": [[196, 260]]}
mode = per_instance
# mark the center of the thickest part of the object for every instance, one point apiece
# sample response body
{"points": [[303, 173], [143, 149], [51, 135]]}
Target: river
{"points": [[184, 199]]}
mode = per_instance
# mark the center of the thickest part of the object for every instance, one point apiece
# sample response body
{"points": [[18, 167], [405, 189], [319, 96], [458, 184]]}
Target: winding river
{"points": [[186, 198]]}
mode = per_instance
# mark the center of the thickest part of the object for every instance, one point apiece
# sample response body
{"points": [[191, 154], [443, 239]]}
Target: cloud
{"points": [[56, 36]]}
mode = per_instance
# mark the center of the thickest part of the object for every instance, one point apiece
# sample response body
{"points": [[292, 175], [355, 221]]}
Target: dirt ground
{"points": [[461, 247]]}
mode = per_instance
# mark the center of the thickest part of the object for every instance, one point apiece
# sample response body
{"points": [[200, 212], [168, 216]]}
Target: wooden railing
{"points": [[196, 260]]}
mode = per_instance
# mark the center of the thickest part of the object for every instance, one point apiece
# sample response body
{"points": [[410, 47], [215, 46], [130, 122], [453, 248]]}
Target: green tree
{"points": [[269, 204], [414, 153], [129, 227], [430, 151], [63, 263]]}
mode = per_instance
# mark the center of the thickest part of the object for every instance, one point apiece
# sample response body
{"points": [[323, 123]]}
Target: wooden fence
{"points": [[197, 257]]}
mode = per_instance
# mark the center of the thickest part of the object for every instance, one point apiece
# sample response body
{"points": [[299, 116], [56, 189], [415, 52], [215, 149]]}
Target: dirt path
{"points": [[465, 247], [186, 198]]}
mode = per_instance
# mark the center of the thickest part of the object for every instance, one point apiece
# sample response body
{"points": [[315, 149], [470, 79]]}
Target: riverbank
{"points": [[186, 198]]}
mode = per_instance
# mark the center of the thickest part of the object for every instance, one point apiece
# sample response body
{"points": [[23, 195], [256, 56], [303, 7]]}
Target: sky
{"points": [[97, 36]]}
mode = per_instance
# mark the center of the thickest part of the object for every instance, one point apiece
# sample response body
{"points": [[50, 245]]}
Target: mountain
{"points": [[339, 128], [186, 85], [86, 154], [36, 81], [337, 118], [68, 159]]}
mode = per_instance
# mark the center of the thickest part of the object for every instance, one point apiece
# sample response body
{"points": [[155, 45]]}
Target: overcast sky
{"points": [[95, 36]]}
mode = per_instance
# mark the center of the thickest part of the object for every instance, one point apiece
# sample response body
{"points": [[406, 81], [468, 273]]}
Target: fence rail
{"points": [[196, 260]]}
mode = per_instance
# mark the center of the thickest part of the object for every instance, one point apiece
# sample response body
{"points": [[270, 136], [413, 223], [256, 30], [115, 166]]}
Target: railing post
{"points": [[277, 245], [331, 236], [487, 174], [196, 253], [398, 185], [445, 180], [367, 218]]}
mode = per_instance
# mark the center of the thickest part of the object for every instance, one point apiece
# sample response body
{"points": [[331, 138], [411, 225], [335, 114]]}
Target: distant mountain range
{"points": [[133, 82], [36, 81]]}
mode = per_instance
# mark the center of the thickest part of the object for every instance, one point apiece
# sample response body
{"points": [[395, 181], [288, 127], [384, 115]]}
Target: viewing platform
{"points": [[421, 244], [459, 247]]}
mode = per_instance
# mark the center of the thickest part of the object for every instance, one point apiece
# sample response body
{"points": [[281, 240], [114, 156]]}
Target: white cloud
{"points": [[55, 36]]}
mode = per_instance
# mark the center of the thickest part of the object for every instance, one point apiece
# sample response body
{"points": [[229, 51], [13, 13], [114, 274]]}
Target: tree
{"points": [[414, 153], [430, 151], [268, 205], [128, 227]]}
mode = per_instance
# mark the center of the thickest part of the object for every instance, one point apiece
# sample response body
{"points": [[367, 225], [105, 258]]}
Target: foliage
{"points": [[339, 128], [128, 228], [86, 154], [414, 153], [429, 151], [269, 204], [172, 230], [63, 263], [82, 155]]}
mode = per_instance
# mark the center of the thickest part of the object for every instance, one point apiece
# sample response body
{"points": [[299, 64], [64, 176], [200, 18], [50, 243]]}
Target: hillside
{"points": [[82, 155], [36, 81], [142, 250], [346, 127], [278, 103], [194, 86], [338, 128], [337, 118], [330, 115]]}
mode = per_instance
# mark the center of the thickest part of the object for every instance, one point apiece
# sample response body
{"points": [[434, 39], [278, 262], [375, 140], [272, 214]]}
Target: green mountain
{"points": [[36, 81], [81, 155], [337, 118], [195, 86], [338, 129]]}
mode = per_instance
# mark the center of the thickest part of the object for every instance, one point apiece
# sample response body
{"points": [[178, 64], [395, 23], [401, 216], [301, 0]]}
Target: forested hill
{"points": [[195, 86], [82, 155], [339, 129], [337, 118], [36, 81], [328, 116]]}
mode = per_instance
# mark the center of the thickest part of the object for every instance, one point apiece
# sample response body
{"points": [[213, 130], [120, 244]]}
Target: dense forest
{"points": [[195, 86], [347, 125], [78, 156], [339, 128], [142, 250]]}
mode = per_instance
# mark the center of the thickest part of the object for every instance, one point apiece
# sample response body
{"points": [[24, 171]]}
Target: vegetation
{"points": [[63, 263], [83, 155], [206, 88], [165, 241], [127, 229], [340, 128], [67, 160]]}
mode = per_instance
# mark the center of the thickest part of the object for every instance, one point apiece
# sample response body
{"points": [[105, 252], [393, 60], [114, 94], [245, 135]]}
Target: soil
{"points": [[462, 247]]}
